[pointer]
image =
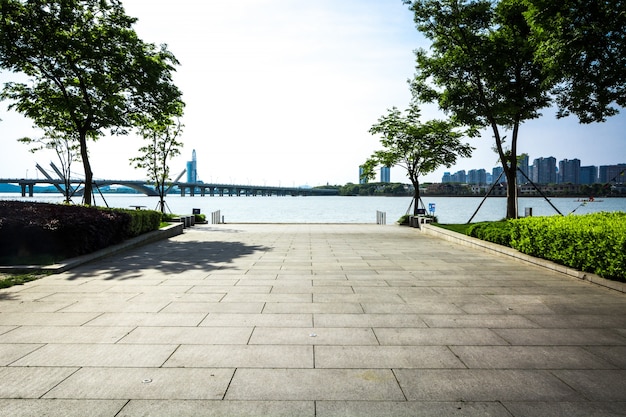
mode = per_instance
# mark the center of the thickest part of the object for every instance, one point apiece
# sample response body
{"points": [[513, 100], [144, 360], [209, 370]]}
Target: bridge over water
{"points": [[27, 185]]}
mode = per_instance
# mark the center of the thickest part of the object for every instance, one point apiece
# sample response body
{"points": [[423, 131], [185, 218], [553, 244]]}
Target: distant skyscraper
{"points": [[459, 176], [495, 174], [477, 176], [192, 172], [385, 174], [522, 164], [361, 179], [544, 170], [614, 174], [589, 174], [446, 177], [569, 171]]}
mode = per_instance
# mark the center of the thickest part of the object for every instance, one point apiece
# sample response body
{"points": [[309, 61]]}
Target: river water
{"points": [[337, 209]]}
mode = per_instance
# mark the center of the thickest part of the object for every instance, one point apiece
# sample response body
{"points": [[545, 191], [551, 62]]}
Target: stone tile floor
{"points": [[311, 320]]}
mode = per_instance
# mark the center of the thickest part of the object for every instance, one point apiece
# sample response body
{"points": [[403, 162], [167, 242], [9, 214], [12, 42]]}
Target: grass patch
{"points": [[459, 228], [9, 280]]}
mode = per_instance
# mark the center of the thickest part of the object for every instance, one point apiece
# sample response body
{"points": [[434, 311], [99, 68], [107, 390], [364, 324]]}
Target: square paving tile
{"points": [[314, 384], [144, 383]]}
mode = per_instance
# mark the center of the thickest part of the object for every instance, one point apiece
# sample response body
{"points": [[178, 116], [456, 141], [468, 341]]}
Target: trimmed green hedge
{"points": [[41, 233], [593, 243], [496, 232]]}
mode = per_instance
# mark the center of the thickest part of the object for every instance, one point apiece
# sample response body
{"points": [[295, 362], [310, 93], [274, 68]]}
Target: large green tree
{"points": [[88, 71], [582, 46], [419, 148], [481, 69]]}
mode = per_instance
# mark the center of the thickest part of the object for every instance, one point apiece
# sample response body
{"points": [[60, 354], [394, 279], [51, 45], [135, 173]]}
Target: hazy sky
{"points": [[283, 92]]}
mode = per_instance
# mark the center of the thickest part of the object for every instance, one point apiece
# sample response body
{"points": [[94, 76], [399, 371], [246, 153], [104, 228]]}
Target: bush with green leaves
{"points": [[496, 232], [42, 233], [593, 243]]}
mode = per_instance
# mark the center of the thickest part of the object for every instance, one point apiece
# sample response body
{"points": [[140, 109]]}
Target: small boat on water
{"points": [[588, 200]]}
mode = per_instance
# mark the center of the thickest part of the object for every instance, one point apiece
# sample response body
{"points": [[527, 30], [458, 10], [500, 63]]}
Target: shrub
{"points": [[592, 243], [42, 232], [496, 232]]}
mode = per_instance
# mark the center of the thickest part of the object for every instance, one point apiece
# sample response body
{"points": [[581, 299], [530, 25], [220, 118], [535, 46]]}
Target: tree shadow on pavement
{"points": [[167, 257]]}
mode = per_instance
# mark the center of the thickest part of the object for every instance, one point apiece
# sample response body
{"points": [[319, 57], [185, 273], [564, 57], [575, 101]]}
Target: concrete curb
{"points": [[164, 233], [506, 251]]}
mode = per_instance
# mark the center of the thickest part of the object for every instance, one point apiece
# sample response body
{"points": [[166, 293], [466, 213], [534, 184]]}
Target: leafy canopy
{"points": [[88, 70], [418, 147], [582, 46]]}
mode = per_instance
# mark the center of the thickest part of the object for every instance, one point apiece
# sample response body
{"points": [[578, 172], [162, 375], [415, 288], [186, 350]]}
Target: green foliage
{"points": [[200, 218], [592, 243], [375, 189], [161, 146], [481, 69], [43, 233], [419, 148], [169, 217], [88, 71], [141, 221], [496, 232], [581, 45], [458, 228], [9, 280]]}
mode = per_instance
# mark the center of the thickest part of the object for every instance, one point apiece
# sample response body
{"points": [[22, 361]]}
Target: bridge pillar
{"points": [[23, 186], [182, 191]]}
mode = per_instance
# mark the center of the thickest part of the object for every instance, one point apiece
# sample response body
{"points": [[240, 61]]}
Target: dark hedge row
{"points": [[593, 243], [51, 231]]}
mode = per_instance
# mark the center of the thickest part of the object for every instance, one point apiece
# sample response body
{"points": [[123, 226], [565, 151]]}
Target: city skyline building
{"points": [[612, 174], [361, 179], [522, 164], [192, 168], [588, 175], [544, 170], [385, 174], [569, 171], [477, 176]]}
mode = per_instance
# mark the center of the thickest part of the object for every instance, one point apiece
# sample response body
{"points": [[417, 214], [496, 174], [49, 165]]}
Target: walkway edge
{"points": [[465, 240], [163, 233]]}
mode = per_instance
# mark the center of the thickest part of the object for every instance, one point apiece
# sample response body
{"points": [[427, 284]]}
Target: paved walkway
{"points": [[311, 320]]}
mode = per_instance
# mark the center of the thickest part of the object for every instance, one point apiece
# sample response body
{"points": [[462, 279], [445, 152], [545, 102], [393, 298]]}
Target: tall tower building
{"points": [[544, 170], [192, 173], [522, 164], [569, 171], [589, 174], [361, 179], [385, 174]]}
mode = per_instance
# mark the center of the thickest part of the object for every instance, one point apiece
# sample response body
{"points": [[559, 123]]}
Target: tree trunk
{"points": [[511, 190], [416, 195], [87, 168]]}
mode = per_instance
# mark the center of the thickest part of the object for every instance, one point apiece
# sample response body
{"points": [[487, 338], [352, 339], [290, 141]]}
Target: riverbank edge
{"points": [[465, 240], [163, 233]]}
